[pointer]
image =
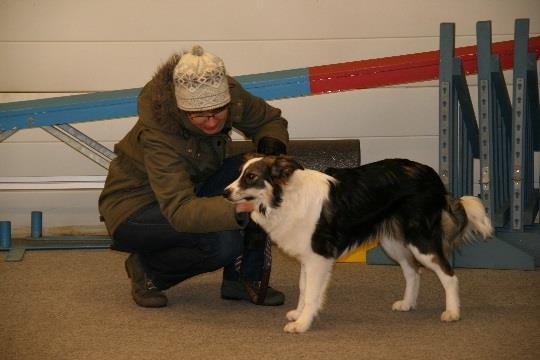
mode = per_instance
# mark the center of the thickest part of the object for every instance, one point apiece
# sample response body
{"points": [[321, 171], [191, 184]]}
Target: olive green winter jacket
{"points": [[163, 157]]}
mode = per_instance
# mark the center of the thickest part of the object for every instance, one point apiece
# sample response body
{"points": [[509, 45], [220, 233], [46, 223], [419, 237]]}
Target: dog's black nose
{"points": [[226, 193]]}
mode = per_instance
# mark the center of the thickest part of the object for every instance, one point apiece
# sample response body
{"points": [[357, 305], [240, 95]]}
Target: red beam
{"points": [[403, 69]]}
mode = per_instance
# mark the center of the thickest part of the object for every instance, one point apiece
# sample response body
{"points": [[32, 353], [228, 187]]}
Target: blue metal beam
{"points": [[123, 103], [447, 105], [68, 109], [495, 124], [524, 125], [458, 131]]}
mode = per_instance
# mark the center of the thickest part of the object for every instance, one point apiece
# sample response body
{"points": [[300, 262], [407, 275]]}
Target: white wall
{"points": [[55, 48]]}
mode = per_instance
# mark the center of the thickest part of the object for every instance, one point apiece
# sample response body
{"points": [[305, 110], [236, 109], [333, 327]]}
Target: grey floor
{"points": [[75, 304]]}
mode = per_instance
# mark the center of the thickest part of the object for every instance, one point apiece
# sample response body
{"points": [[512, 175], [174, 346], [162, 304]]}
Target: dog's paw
{"points": [[296, 327], [450, 315], [293, 315], [401, 305]]}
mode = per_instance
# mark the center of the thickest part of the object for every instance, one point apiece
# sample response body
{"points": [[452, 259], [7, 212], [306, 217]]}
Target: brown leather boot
{"points": [[143, 290]]}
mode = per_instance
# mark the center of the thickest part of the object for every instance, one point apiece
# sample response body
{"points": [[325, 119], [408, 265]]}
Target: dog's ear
{"points": [[284, 166]]}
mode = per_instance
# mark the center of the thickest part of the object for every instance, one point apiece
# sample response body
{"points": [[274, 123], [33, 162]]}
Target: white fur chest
{"points": [[292, 224]]}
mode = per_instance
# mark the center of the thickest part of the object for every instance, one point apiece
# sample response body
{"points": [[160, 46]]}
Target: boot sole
{"points": [[245, 297]]}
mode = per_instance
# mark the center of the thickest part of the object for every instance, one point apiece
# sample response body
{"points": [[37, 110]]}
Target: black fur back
{"points": [[365, 199]]}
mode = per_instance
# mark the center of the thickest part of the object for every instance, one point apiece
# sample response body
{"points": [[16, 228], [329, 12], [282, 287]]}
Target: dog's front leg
{"points": [[295, 314], [317, 273]]}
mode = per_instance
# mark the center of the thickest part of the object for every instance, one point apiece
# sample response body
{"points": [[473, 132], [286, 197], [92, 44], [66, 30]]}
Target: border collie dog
{"points": [[316, 217]]}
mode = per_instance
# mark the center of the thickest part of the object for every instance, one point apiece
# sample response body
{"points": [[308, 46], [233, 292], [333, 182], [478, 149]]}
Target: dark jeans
{"points": [[170, 257]]}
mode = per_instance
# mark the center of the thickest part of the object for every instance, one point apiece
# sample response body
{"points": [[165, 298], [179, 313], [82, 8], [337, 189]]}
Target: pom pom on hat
{"points": [[200, 81], [197, 50]]}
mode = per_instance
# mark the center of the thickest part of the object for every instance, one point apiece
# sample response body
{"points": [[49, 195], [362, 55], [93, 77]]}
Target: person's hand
{"points": [[270, 146], [245, 206]]}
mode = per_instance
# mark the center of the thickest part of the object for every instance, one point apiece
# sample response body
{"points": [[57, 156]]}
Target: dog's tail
{"points": [[465, 220]]}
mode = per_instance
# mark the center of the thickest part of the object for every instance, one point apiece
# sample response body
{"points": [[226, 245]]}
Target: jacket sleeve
{"points": [[259, 119], [174, 190]]}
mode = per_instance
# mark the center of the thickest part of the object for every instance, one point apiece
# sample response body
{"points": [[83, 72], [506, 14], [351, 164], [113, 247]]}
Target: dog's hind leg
{"points": [[403, 256], [317, 273], [440, 266], [295, 314]]}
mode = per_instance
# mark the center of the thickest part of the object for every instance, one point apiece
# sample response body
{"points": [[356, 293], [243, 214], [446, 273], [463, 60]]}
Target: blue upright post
{"points": [[5, 234], [36, 224], [447, 106], [524, 196], [495, 126], [458, 131], [466, 144]]}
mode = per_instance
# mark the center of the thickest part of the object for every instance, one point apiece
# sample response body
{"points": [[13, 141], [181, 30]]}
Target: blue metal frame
{"points": [[20, 246], [500, 174], [16, 248], [501, 138]]}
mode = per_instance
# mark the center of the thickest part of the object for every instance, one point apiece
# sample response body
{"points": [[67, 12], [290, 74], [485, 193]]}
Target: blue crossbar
{"points": [[123, 103], [68, 109]]}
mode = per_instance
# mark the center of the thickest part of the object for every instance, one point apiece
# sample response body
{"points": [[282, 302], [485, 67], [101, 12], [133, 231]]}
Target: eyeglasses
{"points": [[199, 118]]}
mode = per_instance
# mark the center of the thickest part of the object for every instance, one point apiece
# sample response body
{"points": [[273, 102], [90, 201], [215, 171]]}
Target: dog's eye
{"points": [[251, 177]]}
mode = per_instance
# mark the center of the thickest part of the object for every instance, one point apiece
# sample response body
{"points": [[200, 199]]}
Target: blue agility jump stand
{"points": [[504, 143], [36, 241]]}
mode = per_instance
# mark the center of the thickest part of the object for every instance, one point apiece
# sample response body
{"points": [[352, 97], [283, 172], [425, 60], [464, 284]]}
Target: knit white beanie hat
{"points": [[200, 82]]}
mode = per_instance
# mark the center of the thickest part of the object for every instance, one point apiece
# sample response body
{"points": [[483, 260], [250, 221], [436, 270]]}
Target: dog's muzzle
{"points": [[229, 195]]}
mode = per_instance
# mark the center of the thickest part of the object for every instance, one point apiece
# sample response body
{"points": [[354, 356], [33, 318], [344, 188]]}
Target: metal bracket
{"points": [[86, 148]]}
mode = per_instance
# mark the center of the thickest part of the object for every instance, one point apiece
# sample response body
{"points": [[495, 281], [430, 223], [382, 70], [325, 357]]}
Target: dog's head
{"points": [[262, 179]]}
